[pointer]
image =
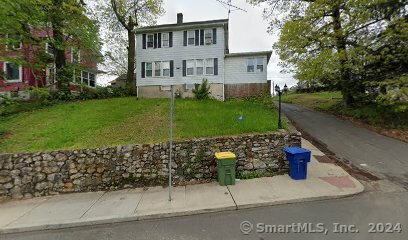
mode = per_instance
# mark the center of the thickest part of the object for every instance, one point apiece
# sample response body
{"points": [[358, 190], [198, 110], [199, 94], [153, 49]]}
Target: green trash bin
{"points": [[226, 162]]}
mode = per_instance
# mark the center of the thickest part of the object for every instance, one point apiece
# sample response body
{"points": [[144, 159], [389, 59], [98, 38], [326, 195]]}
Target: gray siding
{"points": [[178, 53], [236, 71]]}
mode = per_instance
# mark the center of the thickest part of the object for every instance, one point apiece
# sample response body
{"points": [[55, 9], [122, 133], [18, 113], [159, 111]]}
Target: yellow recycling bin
{"points": [[226, 162]]}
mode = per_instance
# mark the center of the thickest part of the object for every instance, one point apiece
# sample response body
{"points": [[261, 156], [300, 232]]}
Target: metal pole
{"points": [[280, 122], [171, 138]]}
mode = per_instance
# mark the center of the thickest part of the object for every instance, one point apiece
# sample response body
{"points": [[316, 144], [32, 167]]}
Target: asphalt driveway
{"points": [[385, 157]]}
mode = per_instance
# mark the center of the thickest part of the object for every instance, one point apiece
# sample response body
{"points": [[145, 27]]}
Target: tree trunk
{"points": [[62, 75], [130, 78], [346, 83]]}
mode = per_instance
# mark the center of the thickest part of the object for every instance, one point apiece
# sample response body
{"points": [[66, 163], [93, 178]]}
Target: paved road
{"points": [[385, 157], [360, 210]]}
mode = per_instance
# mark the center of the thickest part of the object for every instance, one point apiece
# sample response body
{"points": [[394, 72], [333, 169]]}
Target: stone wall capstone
{"points": [[26, 175]]}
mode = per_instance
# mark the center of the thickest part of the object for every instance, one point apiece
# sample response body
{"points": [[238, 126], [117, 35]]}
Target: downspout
{"points": [[223, 67], [223, 81]]}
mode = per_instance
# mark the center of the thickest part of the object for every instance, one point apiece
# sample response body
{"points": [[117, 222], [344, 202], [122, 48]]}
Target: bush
{"points": [[40, 95], [103, 92], [202, 91], [264, 98]]}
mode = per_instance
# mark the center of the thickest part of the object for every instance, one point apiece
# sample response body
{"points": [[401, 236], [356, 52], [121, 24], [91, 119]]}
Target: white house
{"points": [[184, 54]]}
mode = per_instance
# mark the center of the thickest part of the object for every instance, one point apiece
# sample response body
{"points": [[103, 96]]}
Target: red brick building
{"points": [[17, 77]]}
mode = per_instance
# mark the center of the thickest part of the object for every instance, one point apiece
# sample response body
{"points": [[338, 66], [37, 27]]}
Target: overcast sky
{"points": [[247, 30]]}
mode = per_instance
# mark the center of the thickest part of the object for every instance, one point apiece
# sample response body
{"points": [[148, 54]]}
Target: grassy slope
{"points": [[319, 100], [117, 121], [331, 101]]}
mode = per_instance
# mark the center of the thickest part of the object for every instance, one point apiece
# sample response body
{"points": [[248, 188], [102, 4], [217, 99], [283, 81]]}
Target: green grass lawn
{"points": [[116, 121], [318, 100]]}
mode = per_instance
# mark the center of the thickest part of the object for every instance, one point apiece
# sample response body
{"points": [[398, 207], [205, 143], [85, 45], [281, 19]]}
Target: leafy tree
{"points": [[334, 41], [65, 25], [121, 16]]}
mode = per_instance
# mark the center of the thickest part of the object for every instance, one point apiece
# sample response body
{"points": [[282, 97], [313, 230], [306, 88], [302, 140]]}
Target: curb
{"points": [[170, 215]]}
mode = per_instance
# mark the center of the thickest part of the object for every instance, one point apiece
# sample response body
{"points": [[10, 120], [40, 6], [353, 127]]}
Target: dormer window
{"points": [[208, 36], [191, 37], [150, 41]]}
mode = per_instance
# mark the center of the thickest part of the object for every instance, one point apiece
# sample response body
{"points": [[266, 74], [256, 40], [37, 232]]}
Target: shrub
{"points": [[202, 91], [40, 95]]}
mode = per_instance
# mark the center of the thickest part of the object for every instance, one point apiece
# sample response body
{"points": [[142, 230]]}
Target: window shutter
{"points": [[197, 37], [202, 37], [144, 41], [143, 69], [214, 36], [170, 39], [155, 40], [215, 66], [171, 68], [184, 68], [159, 40], [185, 38]]}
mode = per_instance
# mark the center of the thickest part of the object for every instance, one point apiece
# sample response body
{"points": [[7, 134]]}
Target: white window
{"points": [[166, 69], [208, 36], [209, 66], [190, 67], [77, 76], [85, 78], [49, 49], [91, 80], [150, 39], [259, 65], [13, 72], [199, 66], [191, 37], [157, 69], [250, 65], [165, 39], [149, 69], [75, 55], [50, 73], [14, 42]]}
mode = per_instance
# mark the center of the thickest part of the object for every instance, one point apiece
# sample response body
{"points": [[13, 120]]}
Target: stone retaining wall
{"points": [[24, 175]]}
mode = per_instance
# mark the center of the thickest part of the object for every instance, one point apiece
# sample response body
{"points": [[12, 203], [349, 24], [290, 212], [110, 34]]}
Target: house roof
{"points": [[248, 54], [186, 25]]}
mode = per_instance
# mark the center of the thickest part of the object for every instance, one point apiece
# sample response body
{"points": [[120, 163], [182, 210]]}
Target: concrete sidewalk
{"points": [[325, 181]]}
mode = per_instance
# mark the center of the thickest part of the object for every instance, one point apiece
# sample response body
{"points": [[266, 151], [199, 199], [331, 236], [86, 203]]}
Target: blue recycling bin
{"points": [[298, 159]]}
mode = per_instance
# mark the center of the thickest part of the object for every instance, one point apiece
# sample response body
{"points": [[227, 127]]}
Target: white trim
{"points": [[149, 70], [168, 39], [188, 37], [20, 45], [162, 68], [72, 55], [147, 40], [20, 73], [203, 67], [255, 64], [193, 61], [209, 74], [82, 77], [46, 49], [212, 37]]}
